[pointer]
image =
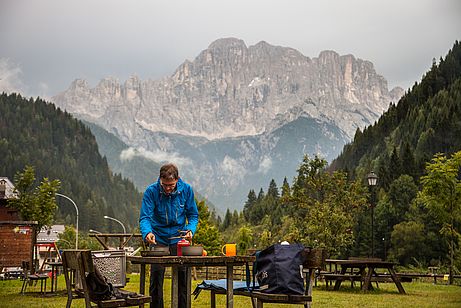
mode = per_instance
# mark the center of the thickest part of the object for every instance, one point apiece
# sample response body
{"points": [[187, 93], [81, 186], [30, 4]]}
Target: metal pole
{"points": [[76, 209], [372, 181], [111, 218], [372, 231]]}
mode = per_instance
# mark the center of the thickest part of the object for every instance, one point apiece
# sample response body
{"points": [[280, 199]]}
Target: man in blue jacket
{"points": [[168, 206]]}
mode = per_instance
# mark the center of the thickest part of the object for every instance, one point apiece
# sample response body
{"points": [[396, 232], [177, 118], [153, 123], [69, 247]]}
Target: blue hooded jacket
{"points": [[164, 215]]}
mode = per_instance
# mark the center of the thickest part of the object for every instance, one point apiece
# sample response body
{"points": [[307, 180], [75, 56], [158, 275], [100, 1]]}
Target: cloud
{"points": [[10, 73], [265, 165], [232, 168], [43, 89], [156, 156]]}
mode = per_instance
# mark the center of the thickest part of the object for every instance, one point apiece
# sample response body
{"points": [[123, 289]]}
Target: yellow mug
{"points": [[230, 250]]}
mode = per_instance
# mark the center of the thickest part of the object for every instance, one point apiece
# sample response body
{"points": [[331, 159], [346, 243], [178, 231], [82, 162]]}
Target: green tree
{"points": [[289, 230], [441, 193], [273, 191], [67, 240], [261, 195], [227, 222], [235, 218], [257, 210], [408, 242], [408, 160], [35, 203], [271, 205], [286, 190], [248, 207], [207, 234], [244, 239], [325, 207]]}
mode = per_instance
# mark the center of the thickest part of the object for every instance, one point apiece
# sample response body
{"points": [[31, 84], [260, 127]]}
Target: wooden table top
{"points": [[192, 260], [57, 263], [360, 262]]}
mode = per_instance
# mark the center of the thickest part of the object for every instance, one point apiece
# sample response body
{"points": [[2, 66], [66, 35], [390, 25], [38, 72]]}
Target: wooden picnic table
{"points": [[367, 269], [188, 261]]}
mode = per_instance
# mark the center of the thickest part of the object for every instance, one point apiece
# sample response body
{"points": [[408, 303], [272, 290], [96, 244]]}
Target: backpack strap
{"points": [[255, 266], [253, 273], [248, 277]]}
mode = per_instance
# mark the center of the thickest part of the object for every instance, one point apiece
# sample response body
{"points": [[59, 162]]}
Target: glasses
{"points": [[171, 185]]}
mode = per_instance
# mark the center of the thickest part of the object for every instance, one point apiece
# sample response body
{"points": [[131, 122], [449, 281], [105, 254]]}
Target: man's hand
{"points": [[188, 235], [150, 238]]}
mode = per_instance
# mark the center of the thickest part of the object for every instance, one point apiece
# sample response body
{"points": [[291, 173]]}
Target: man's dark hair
{"points": [[169, 172]]}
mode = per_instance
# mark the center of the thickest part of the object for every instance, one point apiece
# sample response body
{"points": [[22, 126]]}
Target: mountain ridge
{"points": [[230, 90]]}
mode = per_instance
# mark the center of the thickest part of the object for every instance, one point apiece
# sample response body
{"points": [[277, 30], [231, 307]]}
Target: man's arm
{"points": [[191, 212], [145, 216]]}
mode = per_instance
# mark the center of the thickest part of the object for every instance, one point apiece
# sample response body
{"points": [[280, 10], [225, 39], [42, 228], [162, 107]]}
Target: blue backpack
{"points": [[278, 269]]}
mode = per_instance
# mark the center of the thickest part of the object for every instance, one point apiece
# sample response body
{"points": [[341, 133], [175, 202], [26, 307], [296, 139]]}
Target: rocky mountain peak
{"points": [[78, 84], [227, 44], [230, 90], [328, 56]]}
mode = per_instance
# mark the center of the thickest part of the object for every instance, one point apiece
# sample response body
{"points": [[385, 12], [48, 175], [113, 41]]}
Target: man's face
{"points": [[168, 185]]}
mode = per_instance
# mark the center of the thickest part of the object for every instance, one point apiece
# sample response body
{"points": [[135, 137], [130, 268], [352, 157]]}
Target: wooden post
{"points": [[230, 286], [174, 286]]}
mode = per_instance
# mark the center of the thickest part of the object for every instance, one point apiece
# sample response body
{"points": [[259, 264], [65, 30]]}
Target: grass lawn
{"points": [[419, 294]]}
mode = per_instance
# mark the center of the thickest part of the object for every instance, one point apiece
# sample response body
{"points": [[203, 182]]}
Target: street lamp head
{"points": [[114, 219], [372, 179]]}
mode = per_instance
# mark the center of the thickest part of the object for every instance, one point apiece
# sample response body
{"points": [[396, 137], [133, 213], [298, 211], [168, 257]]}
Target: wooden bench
{"points": [[258, 298], [80, 262], [350, 277]]}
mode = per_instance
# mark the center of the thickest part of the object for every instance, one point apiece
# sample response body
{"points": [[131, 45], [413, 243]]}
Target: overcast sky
{"points": [[46, 44]]}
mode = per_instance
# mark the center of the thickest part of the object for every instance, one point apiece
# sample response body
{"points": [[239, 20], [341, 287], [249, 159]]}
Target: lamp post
{"points": [[94, 231], [372, 181], [111, 218], [76, 209]]}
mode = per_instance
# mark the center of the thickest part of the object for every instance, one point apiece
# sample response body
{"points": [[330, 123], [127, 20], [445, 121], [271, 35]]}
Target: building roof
{"points": [[50, 235]]}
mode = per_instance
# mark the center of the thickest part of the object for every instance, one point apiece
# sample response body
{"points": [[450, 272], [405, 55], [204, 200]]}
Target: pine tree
{"points": [[249, 204], [273, 191], [207, 234], [286, 191], [227, 220]]}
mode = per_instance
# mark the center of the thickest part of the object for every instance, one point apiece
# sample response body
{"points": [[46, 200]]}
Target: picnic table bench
{"points": [[314, 259], [329, 277], [258, 298], [366, 269]]}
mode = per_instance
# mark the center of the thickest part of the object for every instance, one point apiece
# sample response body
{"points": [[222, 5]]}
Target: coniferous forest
{"points": [[36, 133], [427, 120]]}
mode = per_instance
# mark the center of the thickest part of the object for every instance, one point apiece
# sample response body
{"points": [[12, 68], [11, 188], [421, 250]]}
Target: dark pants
{"points": [[157, 273]]}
